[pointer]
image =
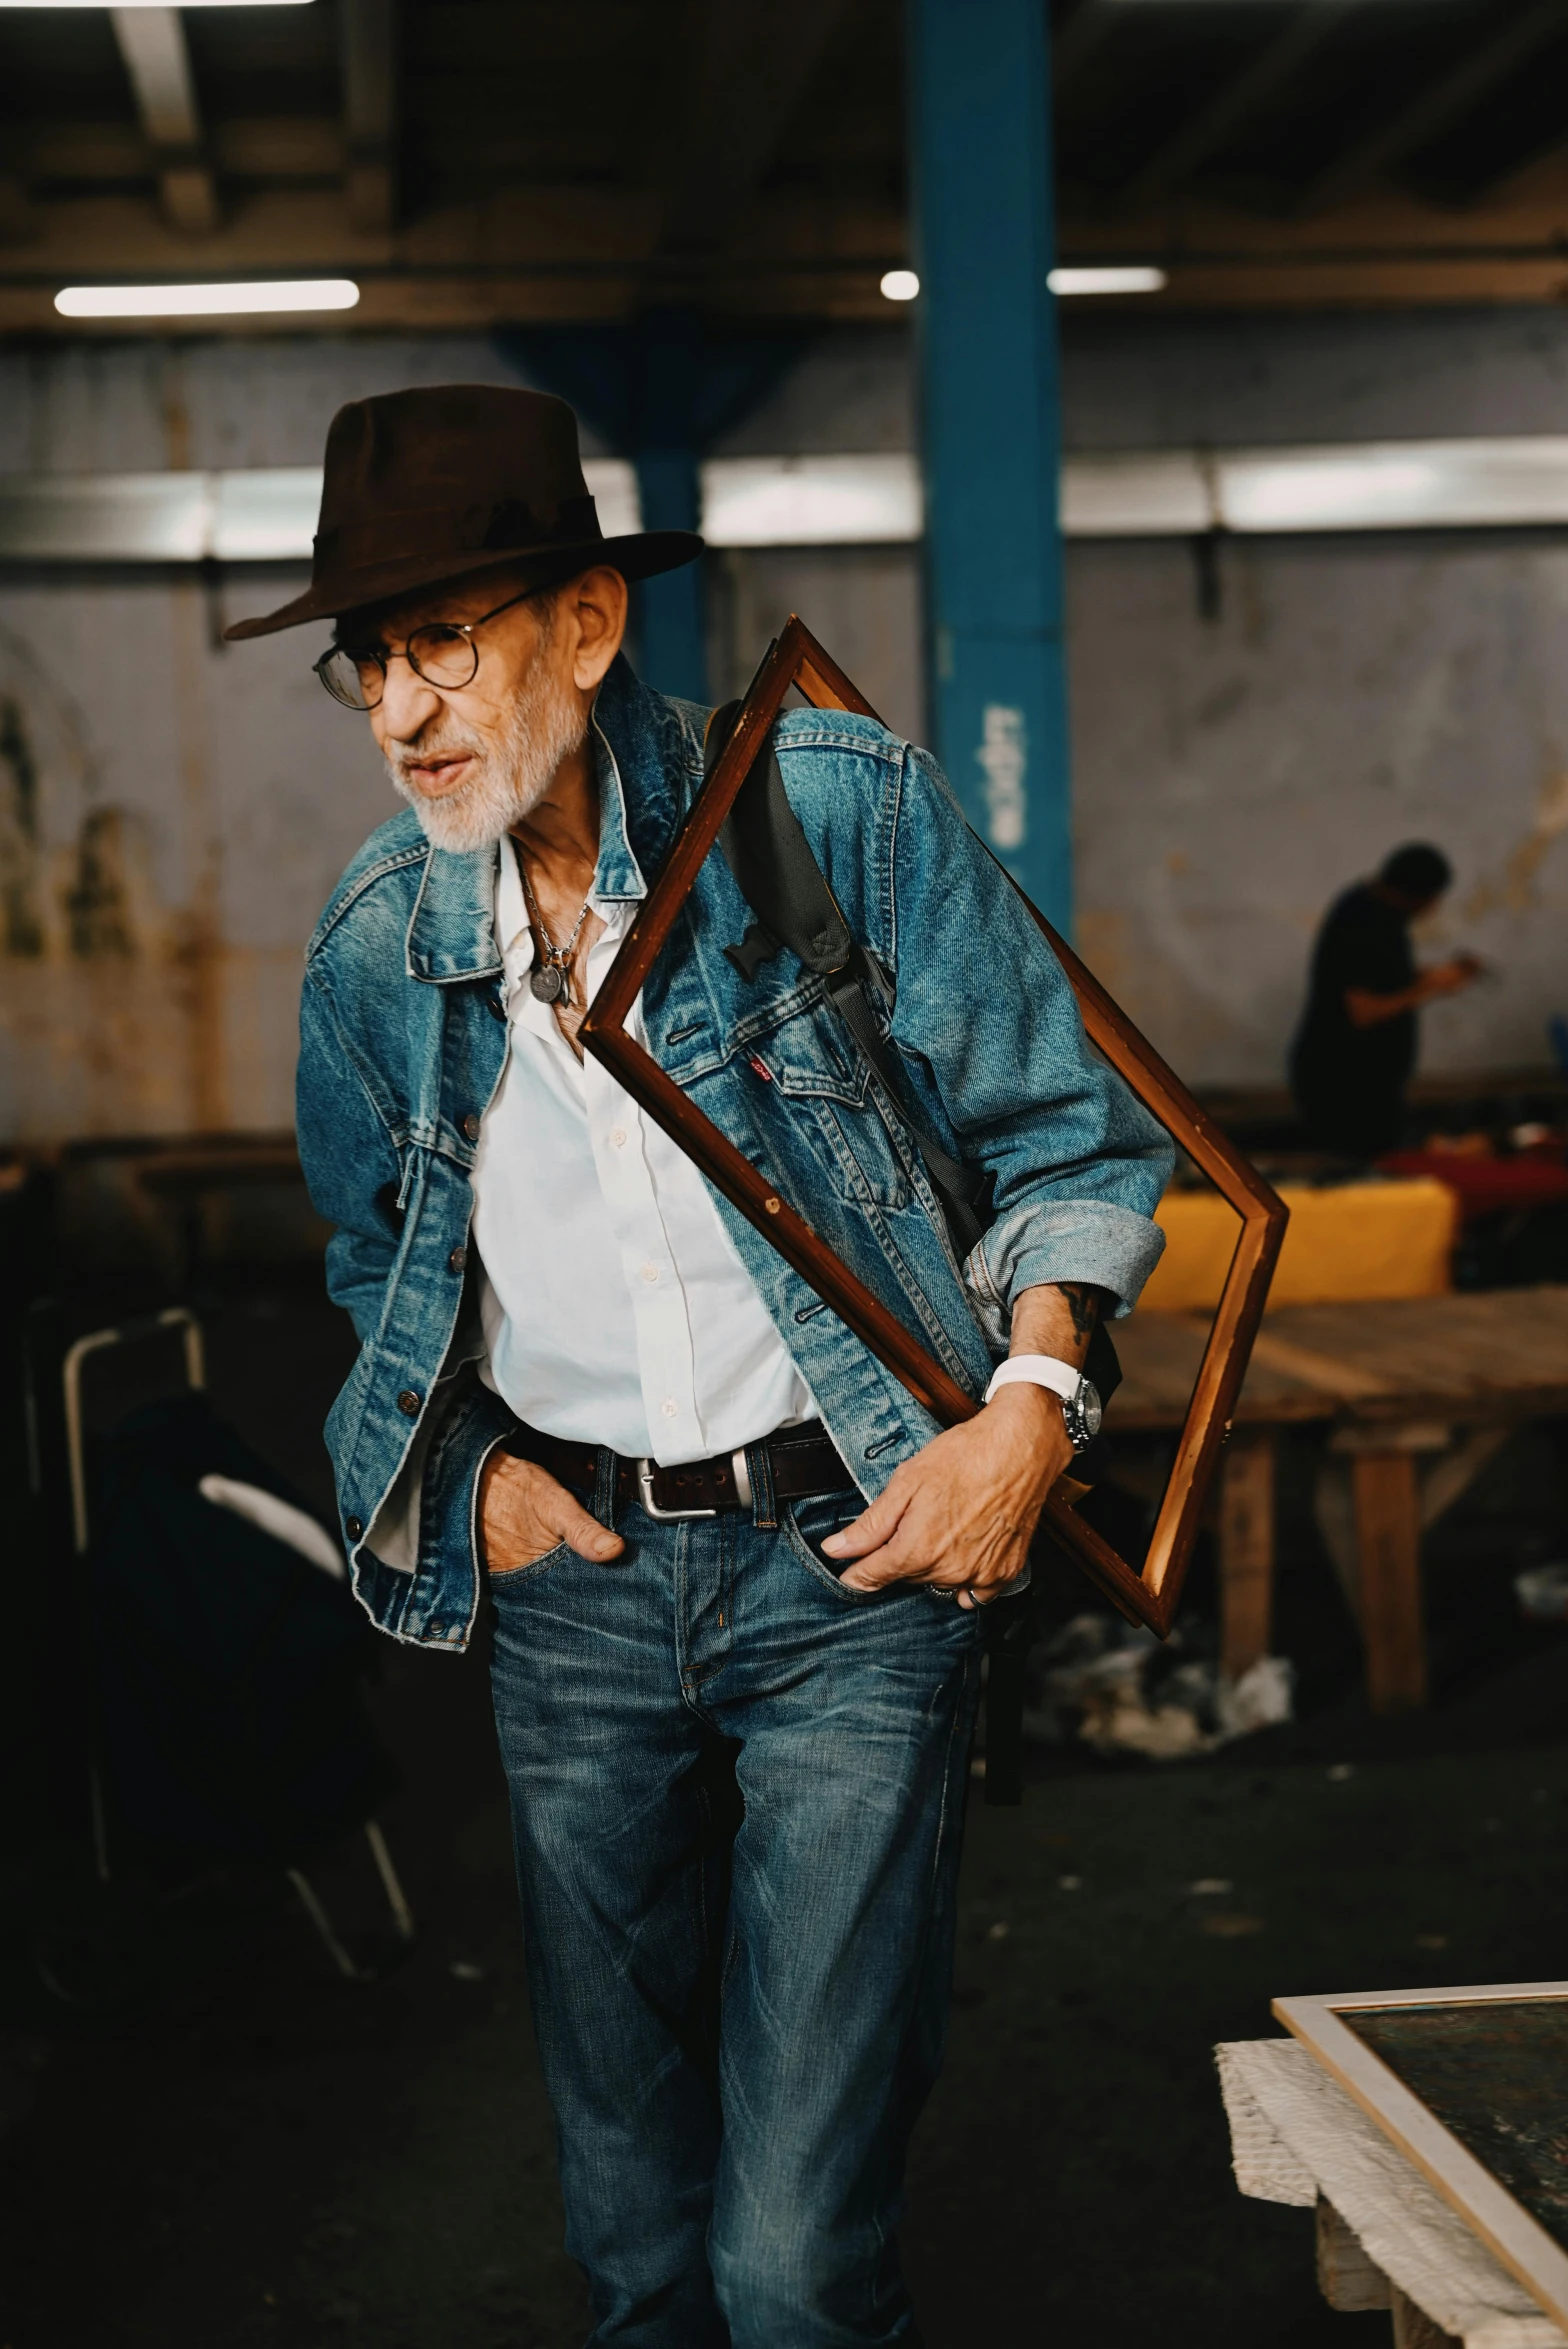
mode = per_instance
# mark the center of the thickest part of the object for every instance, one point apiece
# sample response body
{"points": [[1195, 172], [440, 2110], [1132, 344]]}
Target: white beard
{"points": [[513, 770]]}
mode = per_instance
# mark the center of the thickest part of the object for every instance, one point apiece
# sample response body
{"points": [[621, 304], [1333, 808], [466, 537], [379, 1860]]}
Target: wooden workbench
{"points": [[1419, 1392]]}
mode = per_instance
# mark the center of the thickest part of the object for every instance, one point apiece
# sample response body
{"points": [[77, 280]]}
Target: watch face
{"points": [[1090, 1409]]}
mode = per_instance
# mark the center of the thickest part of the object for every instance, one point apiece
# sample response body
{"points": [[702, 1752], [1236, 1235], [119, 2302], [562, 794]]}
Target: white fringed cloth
{"points": [[1297, 2137]]}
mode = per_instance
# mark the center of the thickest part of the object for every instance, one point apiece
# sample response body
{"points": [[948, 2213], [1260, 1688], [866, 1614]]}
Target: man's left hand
{"points": [[962, 1513]]}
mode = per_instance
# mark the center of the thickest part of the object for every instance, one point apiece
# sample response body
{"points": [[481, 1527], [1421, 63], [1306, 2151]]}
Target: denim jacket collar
{"points": [[643, 748], [637, 737]]}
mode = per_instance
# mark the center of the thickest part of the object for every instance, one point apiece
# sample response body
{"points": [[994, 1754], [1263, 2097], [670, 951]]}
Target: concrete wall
{"points": [[173, 811], [1350, 693], [1233, 772], [172, 814]]}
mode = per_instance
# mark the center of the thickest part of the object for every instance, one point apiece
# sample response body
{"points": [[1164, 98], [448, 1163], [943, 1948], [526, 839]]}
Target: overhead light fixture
{"points": [[1138, 280], [155, 3], [206, 301], [900, 285]]}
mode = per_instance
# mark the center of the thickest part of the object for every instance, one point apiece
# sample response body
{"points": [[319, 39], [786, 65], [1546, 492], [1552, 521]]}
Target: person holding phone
{"points": [[1355, 1049]]}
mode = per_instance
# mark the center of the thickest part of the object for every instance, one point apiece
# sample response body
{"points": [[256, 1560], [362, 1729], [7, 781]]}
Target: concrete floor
{"points": [[260, 2155]]}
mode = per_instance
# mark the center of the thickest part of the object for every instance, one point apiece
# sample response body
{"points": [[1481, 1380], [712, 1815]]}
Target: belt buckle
{"points": [[647, 1469]]}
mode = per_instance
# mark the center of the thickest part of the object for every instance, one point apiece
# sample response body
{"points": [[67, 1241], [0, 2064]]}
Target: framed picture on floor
{"points": [[1472, 2085]]}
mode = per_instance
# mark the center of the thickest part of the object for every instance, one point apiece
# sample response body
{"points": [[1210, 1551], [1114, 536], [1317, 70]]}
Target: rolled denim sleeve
{"points": [[985, 1010], [1077, 1240]]}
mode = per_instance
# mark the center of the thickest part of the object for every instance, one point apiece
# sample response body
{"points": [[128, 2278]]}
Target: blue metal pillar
{"points": [[980, 155], [668, 616], [661, 388]]}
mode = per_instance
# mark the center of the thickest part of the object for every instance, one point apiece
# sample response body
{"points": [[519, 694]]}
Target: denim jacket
{"points": [[404, 1040]]}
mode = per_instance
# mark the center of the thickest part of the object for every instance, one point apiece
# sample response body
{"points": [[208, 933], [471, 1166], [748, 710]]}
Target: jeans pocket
{"points": [[807, 1524], [496, 1575]]}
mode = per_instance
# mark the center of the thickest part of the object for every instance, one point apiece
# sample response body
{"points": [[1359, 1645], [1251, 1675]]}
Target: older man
{"points": [[733, 1567]]}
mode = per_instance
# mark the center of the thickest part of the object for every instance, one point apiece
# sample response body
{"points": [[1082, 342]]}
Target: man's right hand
{"points": [[1446, 978], [524, 1514]]}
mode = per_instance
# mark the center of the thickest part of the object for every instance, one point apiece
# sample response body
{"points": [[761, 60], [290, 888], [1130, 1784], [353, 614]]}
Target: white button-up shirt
{"points": [[616, 1309]]}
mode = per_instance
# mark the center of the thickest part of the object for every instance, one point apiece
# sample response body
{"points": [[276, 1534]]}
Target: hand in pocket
{"points": [[524, 1514]]}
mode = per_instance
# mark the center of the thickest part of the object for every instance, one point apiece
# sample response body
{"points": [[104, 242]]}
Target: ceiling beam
{"points": [[18, 219], [280, 147], [748, 77], [1442, 102], [1077, 41], [1205, 133], [152, 45], [369, 54], [468, 289]]}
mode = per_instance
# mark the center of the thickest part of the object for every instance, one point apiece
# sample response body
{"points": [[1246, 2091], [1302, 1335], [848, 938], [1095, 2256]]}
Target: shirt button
{"points": [[617, 1137], [671, 1407], [457, 1260], [353, 1527], [436, 1630], [471, 1126], [408, 1403], [650, 1273]]}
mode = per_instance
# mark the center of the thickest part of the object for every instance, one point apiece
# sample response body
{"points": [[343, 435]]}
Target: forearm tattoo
{"points": [[1083, 1303]]}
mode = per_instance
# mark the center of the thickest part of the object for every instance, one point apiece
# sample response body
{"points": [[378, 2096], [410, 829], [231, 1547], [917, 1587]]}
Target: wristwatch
{"points": [[1082, 1409]]}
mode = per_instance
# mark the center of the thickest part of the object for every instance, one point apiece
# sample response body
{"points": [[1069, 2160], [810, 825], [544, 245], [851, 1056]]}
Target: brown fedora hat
{"points": [[421, 487]]}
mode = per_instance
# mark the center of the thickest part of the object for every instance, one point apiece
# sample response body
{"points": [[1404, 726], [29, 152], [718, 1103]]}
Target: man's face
{"points": [[475, 759]]}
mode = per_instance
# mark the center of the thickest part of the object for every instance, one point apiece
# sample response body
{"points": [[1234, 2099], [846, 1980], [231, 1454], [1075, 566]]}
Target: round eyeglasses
{"points": [[443, 653]]}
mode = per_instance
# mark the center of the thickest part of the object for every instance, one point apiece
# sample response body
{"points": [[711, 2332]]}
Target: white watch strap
{"points": [[1036, 1370]]}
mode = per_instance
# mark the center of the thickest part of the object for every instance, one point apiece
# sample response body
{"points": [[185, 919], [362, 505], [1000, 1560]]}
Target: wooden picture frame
{"points": [[1150, 1597], [1510, 2233]]}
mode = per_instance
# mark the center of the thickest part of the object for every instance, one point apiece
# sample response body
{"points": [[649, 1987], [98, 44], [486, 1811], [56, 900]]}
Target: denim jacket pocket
{"points": [[828, 1088]]}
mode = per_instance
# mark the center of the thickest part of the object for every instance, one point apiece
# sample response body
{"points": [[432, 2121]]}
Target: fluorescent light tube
{"points": [[155, 3], [205, 301], [1137, 280], [872, 500]]}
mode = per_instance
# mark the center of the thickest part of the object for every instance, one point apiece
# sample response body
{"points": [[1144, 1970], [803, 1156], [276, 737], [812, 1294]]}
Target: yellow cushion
{"points": [[1392, 1239]]}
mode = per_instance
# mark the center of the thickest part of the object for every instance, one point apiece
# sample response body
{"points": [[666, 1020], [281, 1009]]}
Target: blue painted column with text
{"points": [[980, 152]]}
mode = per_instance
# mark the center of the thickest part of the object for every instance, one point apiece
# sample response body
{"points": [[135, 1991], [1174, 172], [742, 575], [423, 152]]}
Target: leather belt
{"points": [[800, 1461]]}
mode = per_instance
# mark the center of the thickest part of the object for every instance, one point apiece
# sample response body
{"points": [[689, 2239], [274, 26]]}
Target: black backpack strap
{"points": [[774, 868], [960, 1190], [1010, 1632]]}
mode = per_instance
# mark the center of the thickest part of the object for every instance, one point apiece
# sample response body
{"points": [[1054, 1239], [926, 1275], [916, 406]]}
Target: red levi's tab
{"points": [[761, 1067]]}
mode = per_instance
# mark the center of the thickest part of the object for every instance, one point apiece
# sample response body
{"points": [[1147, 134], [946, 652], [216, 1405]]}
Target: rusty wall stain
{"points": [[197, 935], [112, 1000], [97, 899], [21, 921], [103, 1046], [197, 928], [1514, 886]]}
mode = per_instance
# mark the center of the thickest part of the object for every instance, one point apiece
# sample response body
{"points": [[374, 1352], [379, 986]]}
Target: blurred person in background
{"points": [[1355, 1049]]}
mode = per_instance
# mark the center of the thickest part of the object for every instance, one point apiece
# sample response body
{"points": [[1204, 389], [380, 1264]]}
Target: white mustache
{"points": [[419, 753]]}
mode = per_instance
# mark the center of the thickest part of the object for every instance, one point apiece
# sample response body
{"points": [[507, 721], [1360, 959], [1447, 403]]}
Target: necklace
{"points": [[550, 980]]}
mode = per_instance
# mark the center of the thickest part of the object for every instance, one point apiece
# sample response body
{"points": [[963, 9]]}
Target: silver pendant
{"points": [[546, 984]]}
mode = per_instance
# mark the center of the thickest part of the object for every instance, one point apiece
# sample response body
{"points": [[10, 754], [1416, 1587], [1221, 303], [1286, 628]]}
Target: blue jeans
{"points": [[737, 1791]]}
